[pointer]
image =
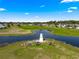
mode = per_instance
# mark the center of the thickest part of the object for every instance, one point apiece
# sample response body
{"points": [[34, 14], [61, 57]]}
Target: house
{"points": [[2, 26], [77, 26], [30, 24], [61, 25], [44, 24]]}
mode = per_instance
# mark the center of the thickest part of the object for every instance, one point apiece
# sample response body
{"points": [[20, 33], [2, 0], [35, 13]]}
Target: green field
{"points": [[31, 50], [14, 31], [34, 27], [65, 31]]}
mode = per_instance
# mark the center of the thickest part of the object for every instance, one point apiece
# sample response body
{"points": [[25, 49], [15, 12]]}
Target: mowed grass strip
{"points": [[65, 31]]}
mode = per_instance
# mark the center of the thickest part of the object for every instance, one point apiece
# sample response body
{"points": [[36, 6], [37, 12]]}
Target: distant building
{"points": [[44, 24], [30, 24], [2, 26], [77, 26], [61, 25]]}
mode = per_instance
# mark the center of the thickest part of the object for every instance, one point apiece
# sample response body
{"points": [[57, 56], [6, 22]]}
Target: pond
{"points": [[66, 39]]}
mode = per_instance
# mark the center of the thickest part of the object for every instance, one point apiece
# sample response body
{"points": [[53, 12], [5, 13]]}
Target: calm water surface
{"points": [[67, 39]]}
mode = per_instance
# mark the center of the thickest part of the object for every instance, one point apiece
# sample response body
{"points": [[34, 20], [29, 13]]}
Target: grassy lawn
{"points": [[34, 27], [14, 31], [65, 31], [56, 50]]}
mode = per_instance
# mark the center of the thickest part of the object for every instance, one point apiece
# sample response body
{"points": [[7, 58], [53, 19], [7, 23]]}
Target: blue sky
{"points": [[38, 10]]}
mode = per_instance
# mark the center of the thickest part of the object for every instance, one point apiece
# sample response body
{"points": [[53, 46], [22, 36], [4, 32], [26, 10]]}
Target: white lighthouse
{"points": [[41, 38]]}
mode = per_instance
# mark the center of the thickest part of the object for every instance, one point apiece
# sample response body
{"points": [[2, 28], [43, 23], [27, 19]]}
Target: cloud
{"points": [[69, 11], [27, 13], [66, 1], [42, 6], [72, 9], [2, 9]]}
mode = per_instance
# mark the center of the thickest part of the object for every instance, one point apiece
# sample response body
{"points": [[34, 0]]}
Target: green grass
{"points": [[34, 27], [65, 31], [57, 50], [14, 31]]}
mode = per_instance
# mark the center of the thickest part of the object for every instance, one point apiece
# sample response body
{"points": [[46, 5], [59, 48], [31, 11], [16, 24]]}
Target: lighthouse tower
{"points": [[41, 38]]}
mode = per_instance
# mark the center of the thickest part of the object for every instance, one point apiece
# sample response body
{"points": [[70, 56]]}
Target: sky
{"points": [[38, 10]]}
